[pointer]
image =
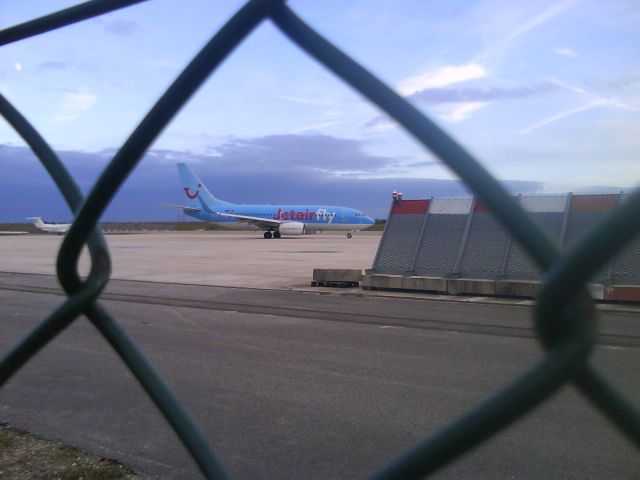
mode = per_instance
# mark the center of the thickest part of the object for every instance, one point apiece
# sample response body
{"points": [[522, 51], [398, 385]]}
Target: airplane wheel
{"points": [[267, 234], [349, 235], [276, 234]]}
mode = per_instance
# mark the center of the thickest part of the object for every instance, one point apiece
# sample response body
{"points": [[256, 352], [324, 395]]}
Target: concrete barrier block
{"points": [[596, 290], [517, 288], [470, 286], [382, 281], [336, 275], [425, 284]]}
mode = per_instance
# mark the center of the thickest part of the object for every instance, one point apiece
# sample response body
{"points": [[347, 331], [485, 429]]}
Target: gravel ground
{"points": [[24, 456]]}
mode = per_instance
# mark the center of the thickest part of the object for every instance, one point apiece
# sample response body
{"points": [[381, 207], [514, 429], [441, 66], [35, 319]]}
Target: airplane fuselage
{"points": [[274, 220], [314, 217], [58, 228]]}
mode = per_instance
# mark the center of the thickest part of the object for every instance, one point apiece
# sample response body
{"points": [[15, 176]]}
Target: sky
{"points": [[545, 94]]}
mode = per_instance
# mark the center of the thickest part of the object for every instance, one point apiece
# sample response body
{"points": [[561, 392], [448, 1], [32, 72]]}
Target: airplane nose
{"points": [[370, 221]]}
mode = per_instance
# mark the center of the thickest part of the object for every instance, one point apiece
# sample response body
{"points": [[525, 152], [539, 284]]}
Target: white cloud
{"points": [[462, 111], [441, 78], [306, 101], [74, 104], [561, 115], [381, 127], [17, 66], [565, 52], [596, 101], [603, 100], [316, 126], [530, 23], [578, 90]]}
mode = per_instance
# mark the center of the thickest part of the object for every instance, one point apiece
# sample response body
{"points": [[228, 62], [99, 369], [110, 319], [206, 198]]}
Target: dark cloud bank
{"points": [[437, 96], [272, 169]]}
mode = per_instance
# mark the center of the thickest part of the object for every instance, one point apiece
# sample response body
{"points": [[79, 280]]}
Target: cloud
{"points": [[306, 101], [379, 124], [463, 110], [441, 78], [538, 19], [465, 95], [120, 27], [316, 126], [27, 190], [74, 104], [531, 22], [561, 115], [618, 84], [421, 164], [565, 52], [596, 101], [17, 66], [429, 86], [54, 65], [299, 154]]}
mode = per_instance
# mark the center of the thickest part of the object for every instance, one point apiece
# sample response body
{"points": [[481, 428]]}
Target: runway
{"points": [[288, 383], [236, 259]]}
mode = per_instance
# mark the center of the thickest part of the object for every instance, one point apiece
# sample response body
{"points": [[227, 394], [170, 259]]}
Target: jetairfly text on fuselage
{"points": [[322, 214]]}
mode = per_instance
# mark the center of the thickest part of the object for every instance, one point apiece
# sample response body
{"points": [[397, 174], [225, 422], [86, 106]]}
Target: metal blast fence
{"points": [[565, 318]]}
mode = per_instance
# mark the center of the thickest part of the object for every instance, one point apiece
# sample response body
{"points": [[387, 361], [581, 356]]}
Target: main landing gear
{"points": [[270, 234], [349, 235]]}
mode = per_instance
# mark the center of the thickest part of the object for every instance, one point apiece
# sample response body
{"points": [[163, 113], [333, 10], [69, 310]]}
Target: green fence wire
{"points": [[565, 318]]}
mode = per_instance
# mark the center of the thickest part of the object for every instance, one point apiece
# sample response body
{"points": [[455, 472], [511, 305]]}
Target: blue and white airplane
{"points": [[275, 220]]}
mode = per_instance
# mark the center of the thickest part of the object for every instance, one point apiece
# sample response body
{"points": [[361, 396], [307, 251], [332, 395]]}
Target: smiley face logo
{"points": [[194, 195]]}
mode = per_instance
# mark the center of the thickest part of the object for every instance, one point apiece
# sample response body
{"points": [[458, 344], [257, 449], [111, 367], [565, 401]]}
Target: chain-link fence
{"points": [[565, 317]]}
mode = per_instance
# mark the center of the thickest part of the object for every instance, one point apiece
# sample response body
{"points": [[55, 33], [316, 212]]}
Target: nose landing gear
{"points": [[349, 235]]}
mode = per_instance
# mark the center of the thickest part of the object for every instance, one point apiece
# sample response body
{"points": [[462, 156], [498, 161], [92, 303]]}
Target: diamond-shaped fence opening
{"points": [[565, 318]]}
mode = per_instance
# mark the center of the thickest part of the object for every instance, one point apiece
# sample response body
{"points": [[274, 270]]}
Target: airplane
{"points": [[275, 220], [58, 228]]}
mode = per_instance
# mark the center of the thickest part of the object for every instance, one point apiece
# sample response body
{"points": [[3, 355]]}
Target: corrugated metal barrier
{"points": [[565, 317], [460, 238]]}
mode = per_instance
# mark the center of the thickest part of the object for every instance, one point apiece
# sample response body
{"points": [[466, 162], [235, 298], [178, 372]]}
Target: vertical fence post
{"points": [[565, 220], [612, 262], [420, 238], [381, 244], [507, 248], [465, 237]]}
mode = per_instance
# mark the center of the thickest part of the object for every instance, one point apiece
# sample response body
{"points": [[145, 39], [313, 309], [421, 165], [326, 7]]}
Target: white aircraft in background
{"points": [[58, 228]]}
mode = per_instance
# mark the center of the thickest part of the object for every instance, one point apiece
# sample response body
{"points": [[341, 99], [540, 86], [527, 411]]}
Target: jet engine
{"points": [[291, 228]]}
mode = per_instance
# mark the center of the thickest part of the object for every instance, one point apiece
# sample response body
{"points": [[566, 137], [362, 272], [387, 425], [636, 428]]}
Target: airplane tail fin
{"points": [[37, 221], [195, 191]]}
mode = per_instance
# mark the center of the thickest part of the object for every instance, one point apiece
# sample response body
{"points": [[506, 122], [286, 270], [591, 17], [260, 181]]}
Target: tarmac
{"points": [[235, 259], [232, 259], [292, 381], [290, 384]]}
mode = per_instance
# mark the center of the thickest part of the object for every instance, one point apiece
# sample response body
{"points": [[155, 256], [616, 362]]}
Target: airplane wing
{"points": [[256, 221], [181, 207]]}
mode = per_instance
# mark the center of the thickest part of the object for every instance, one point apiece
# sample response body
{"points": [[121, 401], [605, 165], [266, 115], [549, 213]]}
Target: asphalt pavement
{"points": [[291, 384]]}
